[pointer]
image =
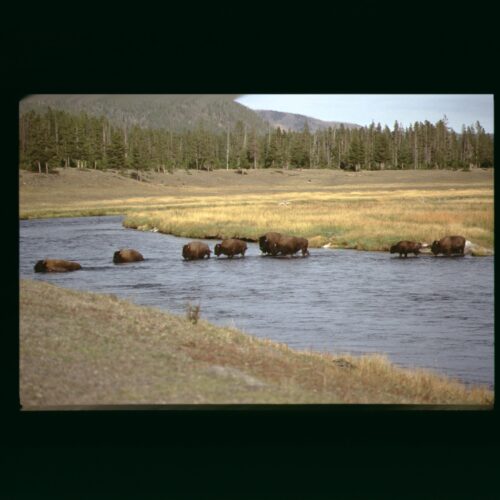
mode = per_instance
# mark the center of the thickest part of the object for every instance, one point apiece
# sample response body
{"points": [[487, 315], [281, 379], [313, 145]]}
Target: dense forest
{"points": [[56, 138]]}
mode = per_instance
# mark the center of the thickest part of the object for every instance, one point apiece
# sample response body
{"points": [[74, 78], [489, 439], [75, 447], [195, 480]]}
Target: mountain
{"points": [[177, 112], [295, 122]]}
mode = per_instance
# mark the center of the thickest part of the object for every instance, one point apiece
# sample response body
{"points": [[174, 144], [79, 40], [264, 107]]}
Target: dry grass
{"points": [[369, 220], [91, 349]]}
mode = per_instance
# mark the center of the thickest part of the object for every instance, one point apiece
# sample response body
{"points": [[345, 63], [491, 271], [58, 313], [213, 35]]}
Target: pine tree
{"points": [[42, 151], [381, 153], [115, 152], [253, 149], [405, 152], [301, 148], [276, 152], [356, 154]]}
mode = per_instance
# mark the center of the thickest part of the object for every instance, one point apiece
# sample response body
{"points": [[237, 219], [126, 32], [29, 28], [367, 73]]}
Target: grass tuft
{"points": [[193, 313]]}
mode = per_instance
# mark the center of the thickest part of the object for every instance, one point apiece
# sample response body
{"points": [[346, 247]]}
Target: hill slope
{"points": [[175, 112], [296, 122]]}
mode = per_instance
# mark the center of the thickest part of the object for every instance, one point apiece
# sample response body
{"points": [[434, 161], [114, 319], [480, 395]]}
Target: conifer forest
{"points": [[52, 139]]}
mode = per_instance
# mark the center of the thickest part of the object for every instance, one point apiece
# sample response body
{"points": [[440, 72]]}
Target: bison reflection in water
{"points": [[405, 247], [231, 247], [195, 250], [56, 266], [127, 255], [449, 245]]}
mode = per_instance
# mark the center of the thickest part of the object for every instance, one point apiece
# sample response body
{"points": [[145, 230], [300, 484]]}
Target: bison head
{"points": [[40, 266], [217, 250], [393, 249], [263, 244], [435, 247]]}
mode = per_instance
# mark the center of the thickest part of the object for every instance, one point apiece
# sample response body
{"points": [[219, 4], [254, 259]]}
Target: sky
{"points": [[362, 109]]}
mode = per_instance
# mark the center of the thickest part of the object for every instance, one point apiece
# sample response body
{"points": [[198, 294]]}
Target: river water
{"points": [[434, 313]]}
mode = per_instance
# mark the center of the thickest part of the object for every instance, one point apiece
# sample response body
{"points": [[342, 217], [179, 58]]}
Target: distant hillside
{"points": [[295, 122], [176, 112], [172, 112]]}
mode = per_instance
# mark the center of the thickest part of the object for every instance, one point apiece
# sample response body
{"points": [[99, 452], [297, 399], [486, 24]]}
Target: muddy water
{"points": [[434, 313]]}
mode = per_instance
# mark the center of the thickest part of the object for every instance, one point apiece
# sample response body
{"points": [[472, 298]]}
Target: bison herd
{"points": [[270, 244], [449, 245], [273, 244]]}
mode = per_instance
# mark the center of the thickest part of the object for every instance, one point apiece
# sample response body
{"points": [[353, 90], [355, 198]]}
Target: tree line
{"points": [[59, 139]]}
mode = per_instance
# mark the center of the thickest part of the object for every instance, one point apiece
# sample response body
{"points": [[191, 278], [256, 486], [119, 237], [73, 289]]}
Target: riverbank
{"points": [[91, 349], [364, 210]]}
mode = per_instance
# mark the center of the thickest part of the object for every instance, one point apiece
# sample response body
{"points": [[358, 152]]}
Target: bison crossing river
{"points": [[271, 243], [274, 244]]}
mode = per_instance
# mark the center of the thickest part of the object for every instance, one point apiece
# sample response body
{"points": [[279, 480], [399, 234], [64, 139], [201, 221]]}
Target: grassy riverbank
{"points": [[365, 210], [86, 349], [368, 220]]}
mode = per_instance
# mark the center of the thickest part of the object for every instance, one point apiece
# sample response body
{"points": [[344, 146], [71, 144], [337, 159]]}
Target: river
{"points": [[433, 313]]}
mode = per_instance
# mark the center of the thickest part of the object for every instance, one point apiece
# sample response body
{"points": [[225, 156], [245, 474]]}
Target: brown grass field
{"points": [[93, 349]]}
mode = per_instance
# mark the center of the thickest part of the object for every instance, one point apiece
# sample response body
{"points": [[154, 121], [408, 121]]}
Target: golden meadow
{"points": [[370, 219]]}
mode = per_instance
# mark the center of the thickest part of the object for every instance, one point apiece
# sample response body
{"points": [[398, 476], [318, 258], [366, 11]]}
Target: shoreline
{"points": [[477, 252]]}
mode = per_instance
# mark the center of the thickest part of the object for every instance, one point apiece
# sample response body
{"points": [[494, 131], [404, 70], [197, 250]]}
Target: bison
{"points": [[267, 241], [56, 266], [195, 250], [289, 245], [348, 167], [230, 247], [405, 247], [449, 245], [127, 255]]}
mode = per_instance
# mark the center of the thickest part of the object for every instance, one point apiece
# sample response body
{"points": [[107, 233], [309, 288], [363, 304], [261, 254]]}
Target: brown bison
{"points": [[449, 245], [56, 266], [289, 245], [195, 250], [230, 247], [267, 241], [405, 247], [127, 255]]}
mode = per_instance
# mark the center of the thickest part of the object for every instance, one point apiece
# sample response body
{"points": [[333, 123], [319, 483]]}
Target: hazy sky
{"points": [[460, 109]]}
